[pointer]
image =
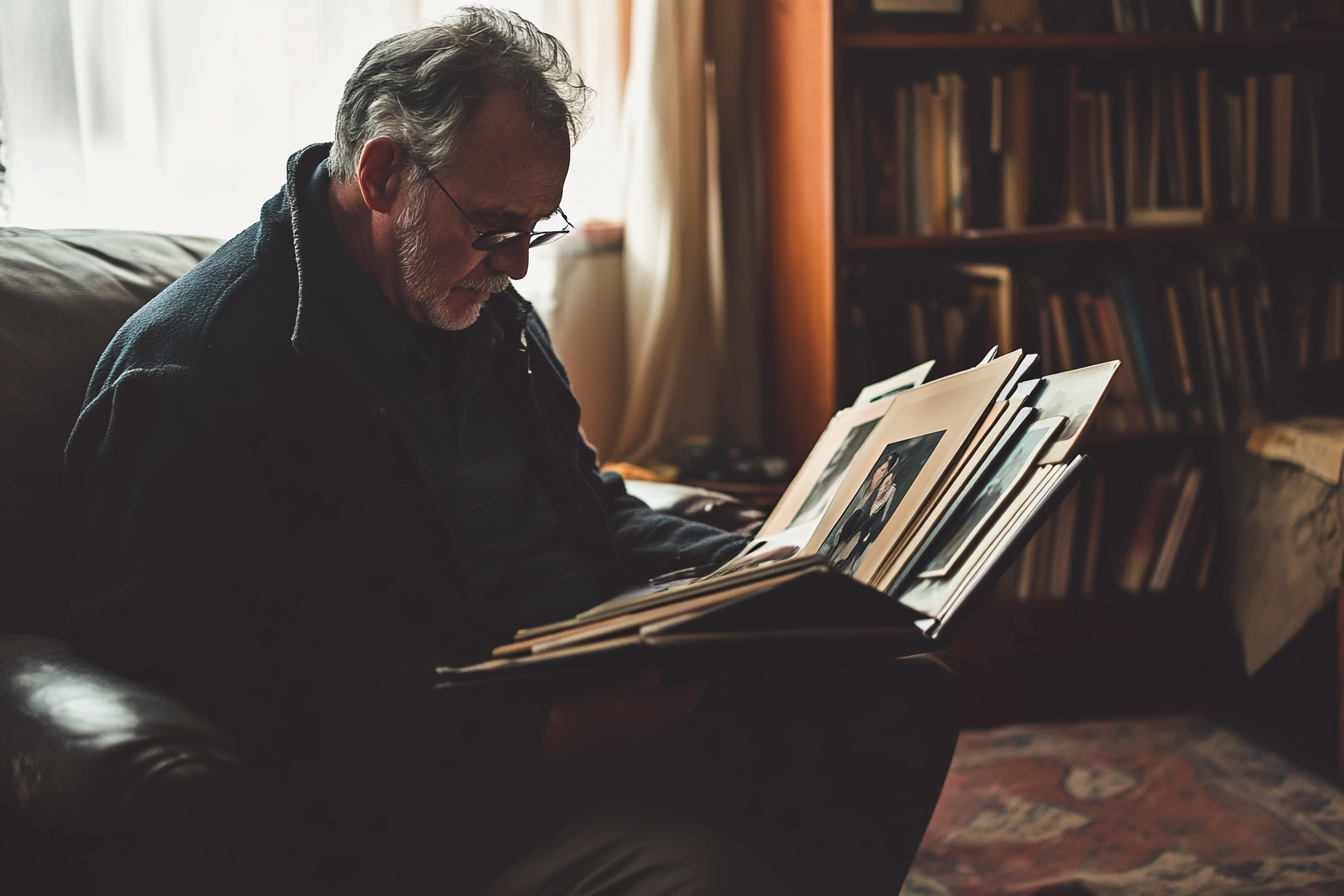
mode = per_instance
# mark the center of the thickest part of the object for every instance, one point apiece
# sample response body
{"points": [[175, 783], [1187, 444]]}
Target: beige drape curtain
{"points": [[733, 31], [691, 288]]}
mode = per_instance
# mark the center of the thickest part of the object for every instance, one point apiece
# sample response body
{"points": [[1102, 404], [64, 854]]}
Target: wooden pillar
{"points": [[801, 223]]}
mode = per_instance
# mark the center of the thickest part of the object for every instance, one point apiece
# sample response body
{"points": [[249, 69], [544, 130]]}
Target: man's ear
{"points": [[382, 173]]}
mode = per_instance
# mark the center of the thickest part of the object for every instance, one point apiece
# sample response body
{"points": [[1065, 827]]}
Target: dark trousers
{"points": [[825, 776]]}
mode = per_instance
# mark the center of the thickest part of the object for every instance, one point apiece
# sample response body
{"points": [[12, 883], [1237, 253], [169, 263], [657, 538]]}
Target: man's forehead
{"points": [[504, 168]]}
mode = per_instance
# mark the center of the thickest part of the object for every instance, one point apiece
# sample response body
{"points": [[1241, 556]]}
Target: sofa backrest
{"points": [[63, 295]]}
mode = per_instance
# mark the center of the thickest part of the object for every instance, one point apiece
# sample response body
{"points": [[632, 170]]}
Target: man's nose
{"points": [[511, 258]]}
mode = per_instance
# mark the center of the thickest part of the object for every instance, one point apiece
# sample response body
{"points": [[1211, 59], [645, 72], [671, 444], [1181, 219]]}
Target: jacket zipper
{"points": [[557, 457]]}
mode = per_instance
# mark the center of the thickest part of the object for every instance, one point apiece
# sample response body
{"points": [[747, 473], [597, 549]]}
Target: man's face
{"points": [[506, 178]]}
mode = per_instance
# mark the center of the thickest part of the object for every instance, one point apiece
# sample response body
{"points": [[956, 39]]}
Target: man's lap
{"points": [[826, 776], [611, 846]]}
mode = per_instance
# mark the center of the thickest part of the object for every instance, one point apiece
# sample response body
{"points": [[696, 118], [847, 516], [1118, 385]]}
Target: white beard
{"points": [[419, 282]]}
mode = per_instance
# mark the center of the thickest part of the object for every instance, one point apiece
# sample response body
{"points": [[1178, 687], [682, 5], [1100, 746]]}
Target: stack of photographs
{"points": [[912, 502]]}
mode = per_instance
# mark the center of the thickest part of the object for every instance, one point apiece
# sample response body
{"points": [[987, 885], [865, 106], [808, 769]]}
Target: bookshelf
{"points": [[1266, 39], [1058, 235], [1137, 189]]}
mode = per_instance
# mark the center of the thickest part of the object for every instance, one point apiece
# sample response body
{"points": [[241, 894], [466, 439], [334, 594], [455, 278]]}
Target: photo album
{"points": [[910, 505]]}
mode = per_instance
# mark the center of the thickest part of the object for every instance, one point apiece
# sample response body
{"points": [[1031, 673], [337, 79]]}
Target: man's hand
{"points": [[616, 717]]}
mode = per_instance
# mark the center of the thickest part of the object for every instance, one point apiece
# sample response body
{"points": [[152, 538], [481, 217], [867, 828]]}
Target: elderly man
{"points": [[341, 453]]}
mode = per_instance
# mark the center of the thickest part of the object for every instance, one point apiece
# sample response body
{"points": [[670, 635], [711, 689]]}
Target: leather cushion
{"points": [[63, 295], [77, 740], [113, 777]]}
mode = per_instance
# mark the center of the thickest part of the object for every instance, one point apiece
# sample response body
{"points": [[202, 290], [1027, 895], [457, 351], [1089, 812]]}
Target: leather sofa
{"points": [[107, 785]]}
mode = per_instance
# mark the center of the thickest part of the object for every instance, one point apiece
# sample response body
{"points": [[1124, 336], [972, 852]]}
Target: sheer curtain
{"points": [[179, 116], [172, 116], [692, 151]]}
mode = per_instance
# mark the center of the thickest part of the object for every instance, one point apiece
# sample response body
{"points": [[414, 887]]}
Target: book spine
{"points": [[1175, 535], [1281, 145], [1251, 209], [939, 176], [1107, 161], [1155, 141], [1182, 351], [1092, 550], [1180, 144], [1017, 153], [1139, 558], [922, 97], [1115, 346], [1204, 103], [1249, 413], [956, 157], [1074, 154], [1204, 325], [1235, 140], [1131, 135], [1063, 340], [1062, 553], [901, 160], [1134, 334]]}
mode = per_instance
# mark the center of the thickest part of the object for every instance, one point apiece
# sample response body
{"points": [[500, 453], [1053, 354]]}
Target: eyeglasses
{"points": [[493, 239]]}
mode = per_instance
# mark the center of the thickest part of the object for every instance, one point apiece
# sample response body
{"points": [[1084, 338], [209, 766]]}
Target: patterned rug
{"points": [[1159, 807]]}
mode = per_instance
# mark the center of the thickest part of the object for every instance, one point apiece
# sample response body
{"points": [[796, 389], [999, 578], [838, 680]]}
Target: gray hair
{"points": [[422, 88]]}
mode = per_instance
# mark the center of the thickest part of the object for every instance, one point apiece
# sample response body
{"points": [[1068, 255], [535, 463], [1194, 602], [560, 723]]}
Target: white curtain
{"points": [[178, 115], [171, 116], [686, 336], [673, 233]]}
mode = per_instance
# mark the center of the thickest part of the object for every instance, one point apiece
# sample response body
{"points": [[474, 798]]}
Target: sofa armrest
{"points": [[697, 504], [114, 777]]}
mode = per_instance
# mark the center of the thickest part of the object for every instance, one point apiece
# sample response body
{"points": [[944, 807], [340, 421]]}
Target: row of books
{"points": [[1204, 347], [1186, 16], [1105, 16], [988, 148], [1164, 542]]}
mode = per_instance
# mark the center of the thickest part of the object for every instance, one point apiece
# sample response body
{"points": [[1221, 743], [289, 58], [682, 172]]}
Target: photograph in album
{"points": [[1001, 417], [868, 511], [907, 379], [821, 493], [809, 494], [811, 491], [955, 406], [1000, 483], [1075, 396], [940, 597], [986, 482]]}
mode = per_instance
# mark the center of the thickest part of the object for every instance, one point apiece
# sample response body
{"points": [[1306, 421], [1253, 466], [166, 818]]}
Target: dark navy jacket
{"points": [[257, 535]]}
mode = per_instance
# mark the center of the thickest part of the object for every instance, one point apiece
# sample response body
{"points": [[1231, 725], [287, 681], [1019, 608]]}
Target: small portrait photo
{"points": [[992, 495], [877, 498], [819, 498], [1073, 395]]}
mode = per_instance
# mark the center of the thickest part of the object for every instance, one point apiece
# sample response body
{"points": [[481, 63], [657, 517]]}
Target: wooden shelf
{"points": [[1105, 444], [1052, 234], [895, 41], [1003, 628]]}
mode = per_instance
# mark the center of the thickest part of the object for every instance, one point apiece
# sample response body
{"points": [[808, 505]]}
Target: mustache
{"points": [[486, 283]]}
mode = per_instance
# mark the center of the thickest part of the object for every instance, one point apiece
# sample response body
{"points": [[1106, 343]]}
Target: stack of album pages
{"points": [[910, 505]]}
